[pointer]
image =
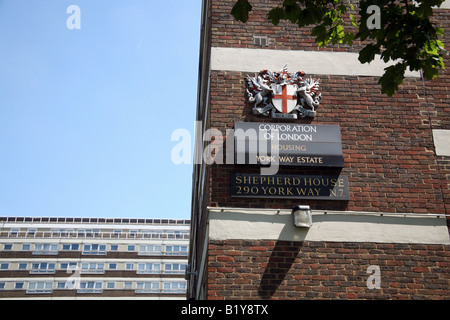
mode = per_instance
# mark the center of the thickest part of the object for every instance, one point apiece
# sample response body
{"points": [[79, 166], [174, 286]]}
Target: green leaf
{"points": [[240, 10], [311, 15], [352, 17], [275, 15], [430, 72], [348, 38], [321, 34], [430, 47], [367, 54], [393, 76], [406, 32], [291, 10], [351, 5]]}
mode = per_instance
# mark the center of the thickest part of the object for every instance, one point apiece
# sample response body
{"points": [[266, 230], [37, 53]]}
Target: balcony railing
{"points": [[92, 235], [94, 220]]}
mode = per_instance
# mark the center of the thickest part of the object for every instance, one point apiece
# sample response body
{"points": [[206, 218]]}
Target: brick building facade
{"points": [[396, 155]]}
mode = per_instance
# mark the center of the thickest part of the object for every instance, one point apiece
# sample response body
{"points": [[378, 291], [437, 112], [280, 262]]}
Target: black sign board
{"points": [[289, 144], [290, 186]]}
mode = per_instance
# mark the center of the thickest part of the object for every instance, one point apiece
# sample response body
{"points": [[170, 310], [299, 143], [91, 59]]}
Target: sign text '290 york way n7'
{"points": [[290, 186]]}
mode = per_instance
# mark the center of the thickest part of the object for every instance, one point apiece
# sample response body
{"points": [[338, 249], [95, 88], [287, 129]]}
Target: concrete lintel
{"points": [[442, 142], [272, 224], [311, 62]]}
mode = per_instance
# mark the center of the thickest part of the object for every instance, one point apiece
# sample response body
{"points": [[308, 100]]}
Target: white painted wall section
{"points": [[442, 142], [445, 5], [312, 62], [270, 224]]}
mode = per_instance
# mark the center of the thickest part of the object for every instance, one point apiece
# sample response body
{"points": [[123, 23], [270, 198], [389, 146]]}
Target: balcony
{"points": [[92, 235]]}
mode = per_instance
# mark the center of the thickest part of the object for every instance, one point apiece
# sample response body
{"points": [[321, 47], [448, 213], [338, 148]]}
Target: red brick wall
{"points": [[286, 36], [258, 269], [389, 158], [387, 142]]}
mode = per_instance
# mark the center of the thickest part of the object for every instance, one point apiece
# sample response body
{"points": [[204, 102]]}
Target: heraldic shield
{"points": [[283, 95], [284, 98]]}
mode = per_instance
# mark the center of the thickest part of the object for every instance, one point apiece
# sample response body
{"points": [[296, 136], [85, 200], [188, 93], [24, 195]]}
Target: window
{"points": [[147, 286], [131, 247], [90, 287], [174, 287], [23, 266], [68, 265], [94, 249], [110, 285], [7, 247], [40, 287], [176, 250], [88, 232], [149, 268], [42, 267], [175, 234], [174, 268], [71, 247], [113, 266], [4, 266], [117, 233], [129, 266], [128, 285], [114, 247], [26, 247], [2, 285], [56, 232], [61, 232], [155, 234], [19, 285], [45, 248], [133, 233], [67, 232], [260, 41], [31, 232], [92, 267], [147, 249]]}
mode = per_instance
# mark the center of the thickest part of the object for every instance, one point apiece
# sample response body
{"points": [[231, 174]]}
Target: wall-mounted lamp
{"points": [[302, 216]]}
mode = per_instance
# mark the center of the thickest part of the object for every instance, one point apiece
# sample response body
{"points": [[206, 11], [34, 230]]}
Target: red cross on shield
{"points": [[283, 99]]}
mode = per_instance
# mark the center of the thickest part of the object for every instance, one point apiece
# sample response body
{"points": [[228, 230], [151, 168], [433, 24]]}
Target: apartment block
{"points": [[92, 258]]}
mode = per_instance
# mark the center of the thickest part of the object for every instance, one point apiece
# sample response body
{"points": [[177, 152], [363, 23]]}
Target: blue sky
{"points": [[86, 116]]}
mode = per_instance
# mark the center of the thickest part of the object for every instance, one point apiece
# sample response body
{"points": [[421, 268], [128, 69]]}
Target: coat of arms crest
{"points": [[283, 95]]}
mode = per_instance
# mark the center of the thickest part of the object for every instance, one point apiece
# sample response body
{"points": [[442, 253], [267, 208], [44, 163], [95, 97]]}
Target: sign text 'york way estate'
{"points": [[288, 144]]}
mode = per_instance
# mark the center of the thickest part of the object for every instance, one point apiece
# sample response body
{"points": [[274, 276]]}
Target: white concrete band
{"points": [[311, 62], [271, 224], [442, 142], [445, 5]]}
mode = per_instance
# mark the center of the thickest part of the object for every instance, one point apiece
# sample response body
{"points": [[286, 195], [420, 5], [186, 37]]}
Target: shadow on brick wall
{"points": [[280, 262]]}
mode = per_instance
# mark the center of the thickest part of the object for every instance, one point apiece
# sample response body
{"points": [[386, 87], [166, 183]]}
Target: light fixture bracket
{"points": [[302, 216]]}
